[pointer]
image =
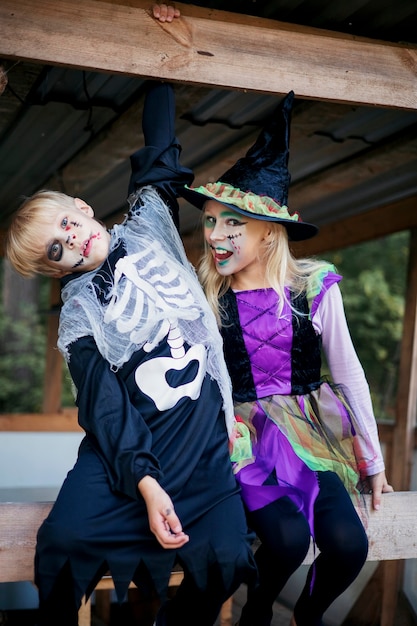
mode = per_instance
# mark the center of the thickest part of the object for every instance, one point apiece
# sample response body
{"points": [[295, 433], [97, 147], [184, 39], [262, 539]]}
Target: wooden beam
{"points": [[406, 407], [64, 420], [391, 530], [52, 385], [348, 175], [391, 533], [404, 431], [380, 222], [208, 47]]}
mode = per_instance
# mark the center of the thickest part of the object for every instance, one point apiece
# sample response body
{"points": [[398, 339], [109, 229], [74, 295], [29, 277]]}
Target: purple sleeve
{"points": [[346, 370], [322, 285]]}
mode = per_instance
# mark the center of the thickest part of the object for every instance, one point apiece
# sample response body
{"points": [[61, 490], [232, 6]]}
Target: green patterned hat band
{"points": [[247, 201]]}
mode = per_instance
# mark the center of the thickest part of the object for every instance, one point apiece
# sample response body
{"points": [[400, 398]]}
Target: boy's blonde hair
{"points": [[27, 229]]}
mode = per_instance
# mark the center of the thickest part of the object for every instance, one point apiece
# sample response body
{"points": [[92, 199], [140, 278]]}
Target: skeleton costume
{"points": [[146, 359]]}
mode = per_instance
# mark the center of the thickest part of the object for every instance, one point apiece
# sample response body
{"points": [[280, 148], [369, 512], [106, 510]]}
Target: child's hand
{"points": [[163, 521], [165, 12], [378, 485]]}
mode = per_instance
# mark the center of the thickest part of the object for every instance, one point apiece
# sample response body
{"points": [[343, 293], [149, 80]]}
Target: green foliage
{"points": [[22, 363], [23, 355]]}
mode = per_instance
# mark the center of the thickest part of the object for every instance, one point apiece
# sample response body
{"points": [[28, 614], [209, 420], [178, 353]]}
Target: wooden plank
{"points": [[19, 523], [391, 533], [52, 386], [64, 420], [406, 406], [392, 529], [403, 443], [210, 47]]}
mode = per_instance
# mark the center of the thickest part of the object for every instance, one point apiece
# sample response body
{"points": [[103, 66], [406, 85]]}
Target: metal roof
{"points": [[51, 116]]}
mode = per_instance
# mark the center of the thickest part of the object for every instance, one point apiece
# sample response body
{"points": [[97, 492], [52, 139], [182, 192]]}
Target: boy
{"points": [[153, 484]]}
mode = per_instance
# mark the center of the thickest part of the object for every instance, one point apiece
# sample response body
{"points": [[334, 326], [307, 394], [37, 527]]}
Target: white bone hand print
{"points": [[151, 376]]}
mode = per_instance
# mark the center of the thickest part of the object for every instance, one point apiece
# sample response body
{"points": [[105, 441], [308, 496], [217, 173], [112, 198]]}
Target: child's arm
{"points": [[347, 370], [158, 164], [106, 413]]}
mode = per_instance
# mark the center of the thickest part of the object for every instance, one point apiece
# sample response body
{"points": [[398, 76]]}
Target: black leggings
{"points": [[285, 539]]}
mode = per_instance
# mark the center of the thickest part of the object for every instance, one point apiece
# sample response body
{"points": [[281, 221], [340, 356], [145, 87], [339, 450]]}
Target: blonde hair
{"points": [[282, 270], [28, 228]]}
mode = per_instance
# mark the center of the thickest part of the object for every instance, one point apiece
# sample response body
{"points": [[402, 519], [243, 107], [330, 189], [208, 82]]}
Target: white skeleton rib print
{"points": [[154, 291]]}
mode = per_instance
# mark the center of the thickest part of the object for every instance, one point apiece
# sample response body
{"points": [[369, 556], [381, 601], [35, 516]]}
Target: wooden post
{"points": [[53, 367], [403, 441]]}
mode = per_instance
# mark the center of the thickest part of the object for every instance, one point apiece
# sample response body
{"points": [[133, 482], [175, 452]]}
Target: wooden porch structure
{"points": [[232, 51]]}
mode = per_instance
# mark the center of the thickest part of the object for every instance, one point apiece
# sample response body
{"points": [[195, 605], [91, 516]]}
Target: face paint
{"points": [[232, 239], [75, 244], [235, 241]]}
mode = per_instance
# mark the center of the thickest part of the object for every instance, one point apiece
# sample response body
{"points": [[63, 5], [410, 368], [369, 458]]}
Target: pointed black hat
{"points": [[257, 184]]}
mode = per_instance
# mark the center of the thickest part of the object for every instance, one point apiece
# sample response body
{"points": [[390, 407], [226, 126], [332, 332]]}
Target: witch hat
{"points": [[257, 184]]}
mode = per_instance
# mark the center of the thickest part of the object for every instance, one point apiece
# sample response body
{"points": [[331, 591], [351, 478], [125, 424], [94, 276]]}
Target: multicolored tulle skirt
{"points": [[293, 438]]}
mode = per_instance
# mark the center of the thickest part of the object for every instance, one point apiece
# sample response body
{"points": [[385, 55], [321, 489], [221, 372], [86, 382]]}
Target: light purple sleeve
{"points": [[329, 320]]}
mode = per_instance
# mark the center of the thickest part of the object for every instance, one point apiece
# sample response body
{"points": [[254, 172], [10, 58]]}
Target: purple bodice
{"points": [[268, 340]]}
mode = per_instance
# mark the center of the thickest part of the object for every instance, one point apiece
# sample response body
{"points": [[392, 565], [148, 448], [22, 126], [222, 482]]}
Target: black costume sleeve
{"points": [[158, 162], [114, 426]]}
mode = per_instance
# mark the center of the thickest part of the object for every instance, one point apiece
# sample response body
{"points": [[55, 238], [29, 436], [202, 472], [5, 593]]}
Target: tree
{"points": [[22, 341]]}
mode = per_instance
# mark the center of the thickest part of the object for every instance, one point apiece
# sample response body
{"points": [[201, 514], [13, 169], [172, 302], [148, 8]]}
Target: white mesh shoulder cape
{"points": [[153, 286]]}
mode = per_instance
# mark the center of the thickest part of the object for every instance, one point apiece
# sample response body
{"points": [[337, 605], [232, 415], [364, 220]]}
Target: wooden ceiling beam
{"points": [[379, 222], [206, 47], [374, 162]]}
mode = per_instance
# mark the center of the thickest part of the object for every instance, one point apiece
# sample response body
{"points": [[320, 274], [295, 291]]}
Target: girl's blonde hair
{"points": [[282, 270], [27, 229]]}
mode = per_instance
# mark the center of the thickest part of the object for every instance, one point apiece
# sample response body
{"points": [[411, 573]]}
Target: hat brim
{"points": [[297, 231]]}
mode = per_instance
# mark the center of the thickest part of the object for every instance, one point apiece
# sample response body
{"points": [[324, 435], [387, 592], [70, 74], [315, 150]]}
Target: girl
{"points": [[313, 440]]}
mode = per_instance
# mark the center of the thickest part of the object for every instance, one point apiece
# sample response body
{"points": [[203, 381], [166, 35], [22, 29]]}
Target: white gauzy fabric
{"points": [[154, 288]]}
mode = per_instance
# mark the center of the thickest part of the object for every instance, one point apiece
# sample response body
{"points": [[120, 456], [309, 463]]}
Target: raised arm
{"points": [[347, 370], [158, 163]]}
